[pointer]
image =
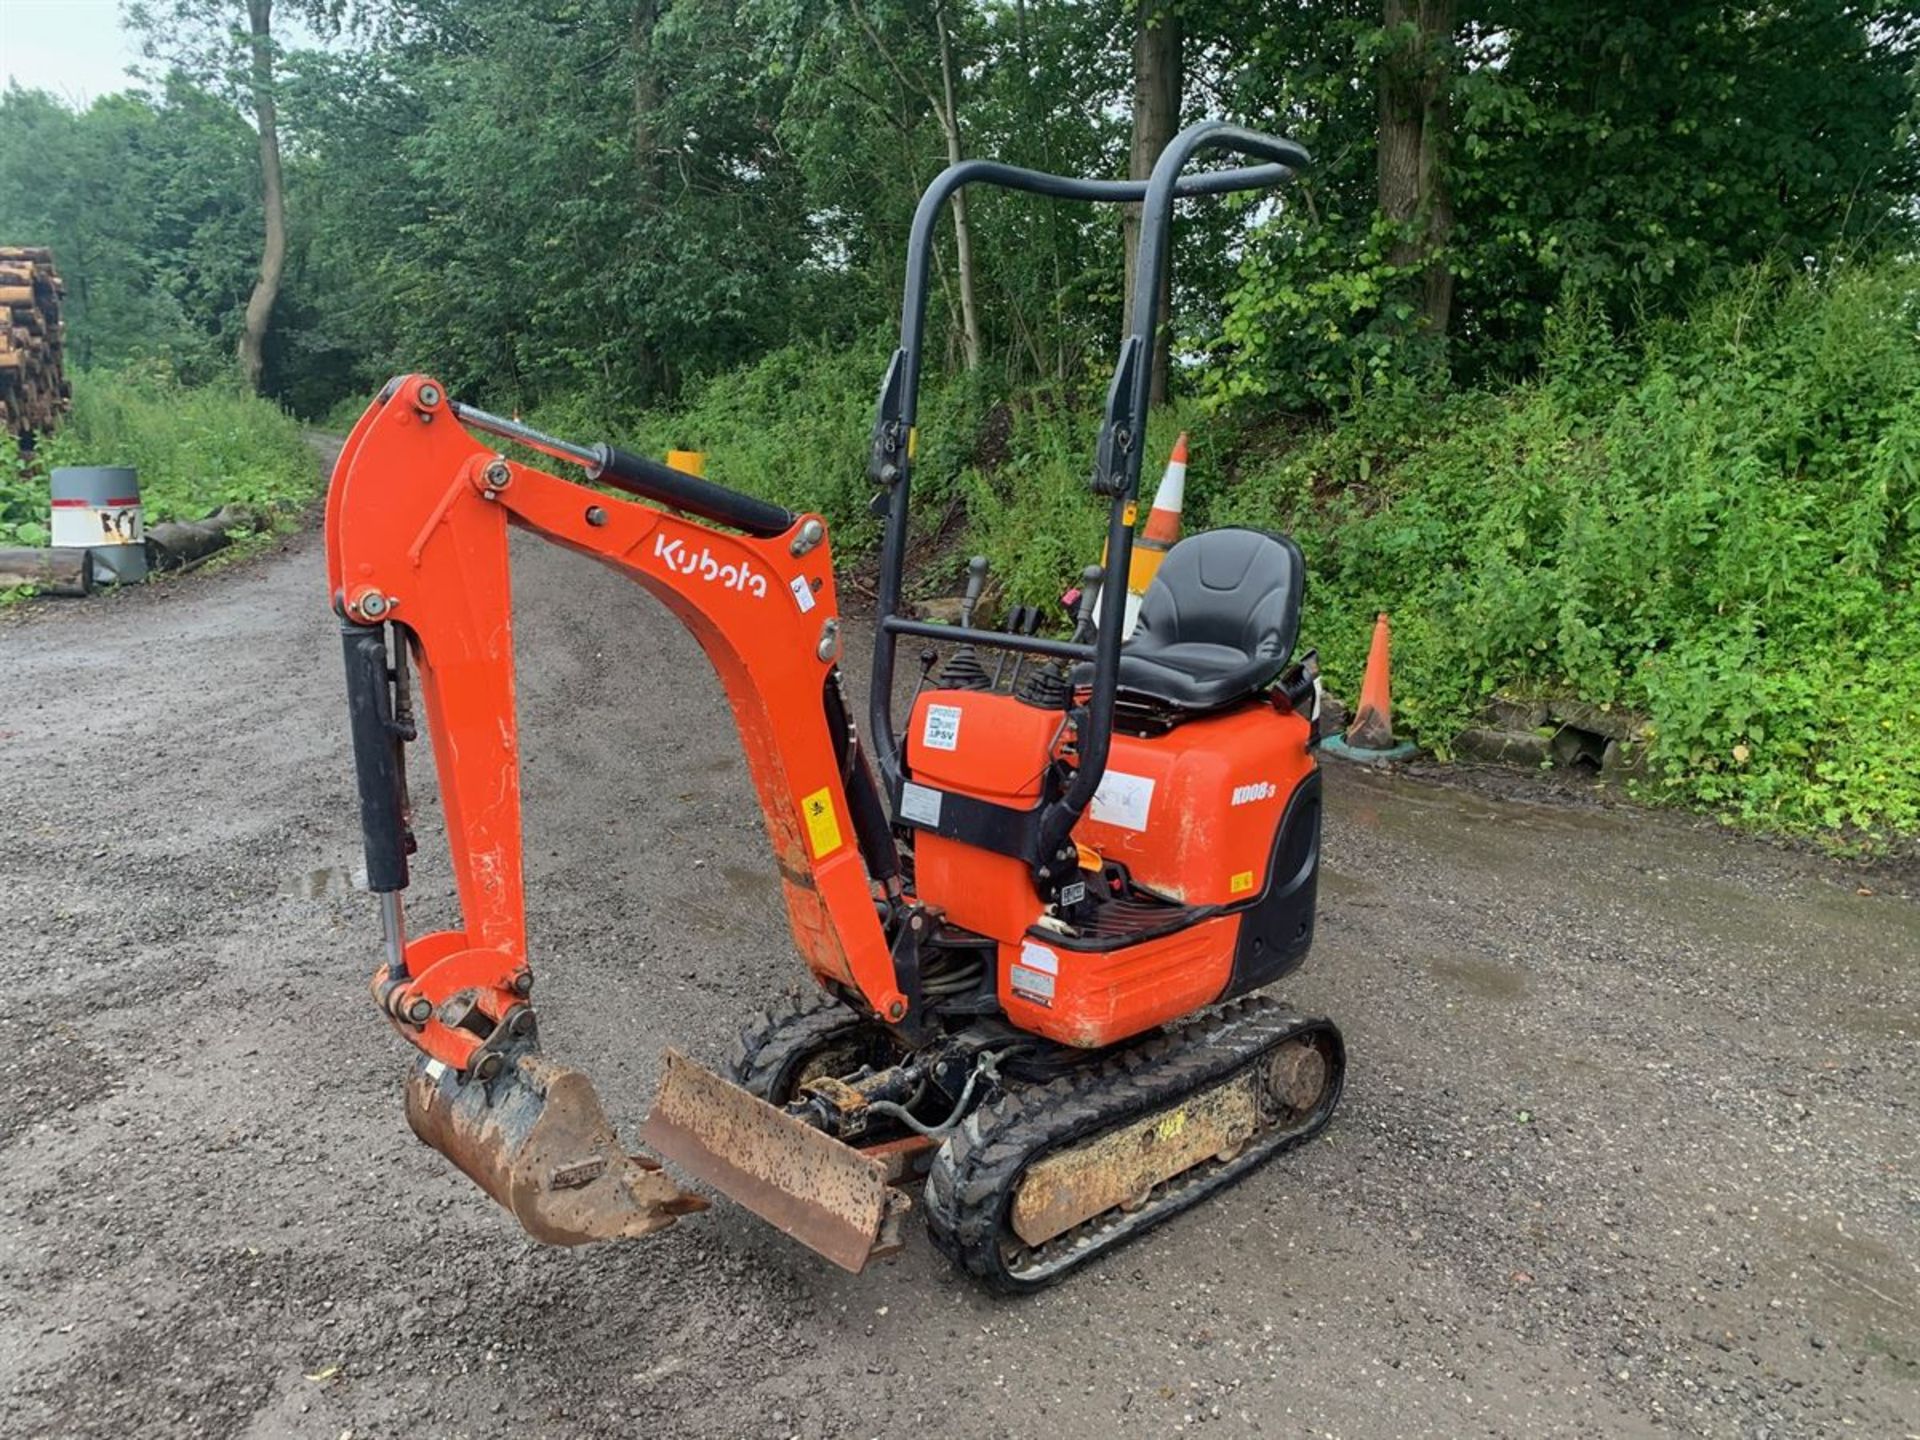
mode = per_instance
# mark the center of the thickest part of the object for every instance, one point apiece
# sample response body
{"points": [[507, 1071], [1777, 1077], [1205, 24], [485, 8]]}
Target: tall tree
{"points": [[1158, 78], [1415, 88], [945, 106], [148, 204], [273, 192], [949, 112], [229, 44]]}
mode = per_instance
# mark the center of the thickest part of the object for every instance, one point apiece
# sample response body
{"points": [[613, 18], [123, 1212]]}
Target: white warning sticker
{"points": [[1039, 957], [1032, 985], [802, 593], [942, 730], [919, 804], [1123, 800], [1033, 978]]}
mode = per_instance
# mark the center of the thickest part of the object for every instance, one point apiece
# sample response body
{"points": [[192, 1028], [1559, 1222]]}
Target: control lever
{"points": [[976, 582], [1089, 602], [963, 670]]}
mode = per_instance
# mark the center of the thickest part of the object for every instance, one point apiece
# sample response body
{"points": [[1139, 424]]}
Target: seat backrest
{"points": [[1239, 588]]}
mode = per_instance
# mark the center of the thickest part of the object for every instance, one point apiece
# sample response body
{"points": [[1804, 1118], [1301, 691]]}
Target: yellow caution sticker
{"points": [[823, 823], [1241, 883], [1133, 511], [913, 441]]}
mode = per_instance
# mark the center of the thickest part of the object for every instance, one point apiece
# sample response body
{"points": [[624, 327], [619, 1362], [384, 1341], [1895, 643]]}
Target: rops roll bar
{"points": [[1117, 459]]}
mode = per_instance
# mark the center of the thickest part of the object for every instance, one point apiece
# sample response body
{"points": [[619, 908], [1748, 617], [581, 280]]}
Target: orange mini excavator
{"points": [[1036, 922]]}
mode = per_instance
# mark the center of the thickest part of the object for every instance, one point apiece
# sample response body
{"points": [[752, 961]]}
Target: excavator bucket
{"points": [[829, 1196], [536, 1139]]}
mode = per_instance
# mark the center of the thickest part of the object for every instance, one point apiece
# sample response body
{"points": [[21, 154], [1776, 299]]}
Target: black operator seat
{"points": [[1217, 624]]}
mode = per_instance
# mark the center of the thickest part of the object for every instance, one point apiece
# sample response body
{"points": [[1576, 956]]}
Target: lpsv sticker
{"points": [[942, 731], [1033, 977]]}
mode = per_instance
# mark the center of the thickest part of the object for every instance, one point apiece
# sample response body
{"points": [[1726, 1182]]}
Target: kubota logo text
{"points": [[700, 562], [1258, 790]]}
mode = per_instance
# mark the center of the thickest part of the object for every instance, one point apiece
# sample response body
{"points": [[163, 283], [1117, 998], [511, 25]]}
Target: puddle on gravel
{"points": [[1860, 1290], [318, 883], [1343, 886], [1480, 978], [751, 880], [1779, 905]]}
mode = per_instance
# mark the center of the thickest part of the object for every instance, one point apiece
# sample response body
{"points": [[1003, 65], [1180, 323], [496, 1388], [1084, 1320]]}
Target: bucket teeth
{"points": [[827, 1195], [536, 1139]]}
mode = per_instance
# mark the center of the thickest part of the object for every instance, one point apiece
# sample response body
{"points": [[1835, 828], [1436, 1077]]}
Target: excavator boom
{"points": [[417, 520]]}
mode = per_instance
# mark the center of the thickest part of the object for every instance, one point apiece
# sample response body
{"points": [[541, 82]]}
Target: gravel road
{"points": [[1631, 1142]]}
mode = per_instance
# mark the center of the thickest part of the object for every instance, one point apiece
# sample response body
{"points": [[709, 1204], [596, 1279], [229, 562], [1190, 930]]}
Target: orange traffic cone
{"points": [[1163, 529], [1369, 738]]}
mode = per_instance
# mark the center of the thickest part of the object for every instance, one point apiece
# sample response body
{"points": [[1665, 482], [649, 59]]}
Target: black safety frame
{"points": [[1118, 455]]}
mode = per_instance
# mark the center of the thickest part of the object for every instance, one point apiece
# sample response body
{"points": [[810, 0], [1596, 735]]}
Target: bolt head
{"points": [[810, 534], [896, 1010], [429, 396], [488, 1067], [498, 475], [419, 1010], [596, 516], [372, 604]]}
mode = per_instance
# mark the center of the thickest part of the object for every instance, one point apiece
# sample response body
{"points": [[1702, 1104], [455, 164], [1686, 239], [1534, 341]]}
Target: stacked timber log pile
{"points": [[34, 393]]}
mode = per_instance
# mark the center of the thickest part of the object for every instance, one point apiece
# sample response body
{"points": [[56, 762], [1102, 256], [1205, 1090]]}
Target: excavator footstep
{"points": [[536, 1139], [825, 1194]]}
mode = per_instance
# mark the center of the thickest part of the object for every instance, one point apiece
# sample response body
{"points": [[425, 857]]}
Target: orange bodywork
{"points": [[417, 535], [999, 751], [1101, 997], [1217, 788], [1191, 813]]}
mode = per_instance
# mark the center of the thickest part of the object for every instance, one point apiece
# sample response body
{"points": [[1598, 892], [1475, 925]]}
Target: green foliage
{"points": [[1033, 514], [532, 200], [195, 449], [1626, 152], [794, 428], [149, 205], [1317, 321], [1718, 525]]}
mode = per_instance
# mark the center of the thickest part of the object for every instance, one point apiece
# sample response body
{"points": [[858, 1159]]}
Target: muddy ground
{"points": [[1629, 1145]]}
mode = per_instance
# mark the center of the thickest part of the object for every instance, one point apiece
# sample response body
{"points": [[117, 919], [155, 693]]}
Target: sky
{"points": [[75, 48]]}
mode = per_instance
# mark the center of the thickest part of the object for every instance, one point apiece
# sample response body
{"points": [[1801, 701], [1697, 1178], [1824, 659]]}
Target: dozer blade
{"points": [[828, 1196], [536, 1140]]}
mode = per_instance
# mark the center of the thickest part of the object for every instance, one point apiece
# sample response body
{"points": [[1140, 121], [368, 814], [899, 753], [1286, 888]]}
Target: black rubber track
{"points": [[976, 1172], [773, 1048]]}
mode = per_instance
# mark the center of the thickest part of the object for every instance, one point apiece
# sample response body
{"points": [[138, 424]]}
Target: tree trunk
{"points": [[643, 354], [273, 255], [1415, 121], [1157, 82], [646, 88], [176, 543], [962, 231], [61, 571]]}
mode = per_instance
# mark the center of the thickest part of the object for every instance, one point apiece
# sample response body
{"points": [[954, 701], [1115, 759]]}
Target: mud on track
{"points": [[1629, 1144]]}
